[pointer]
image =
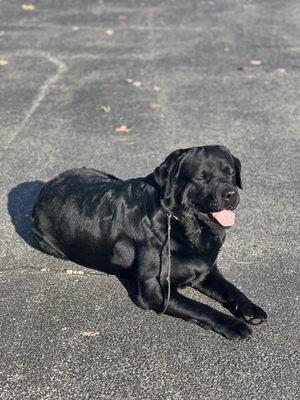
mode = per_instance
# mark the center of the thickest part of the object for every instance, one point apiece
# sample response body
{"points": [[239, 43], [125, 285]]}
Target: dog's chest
{"points": [[189, 267], [186, 270]]}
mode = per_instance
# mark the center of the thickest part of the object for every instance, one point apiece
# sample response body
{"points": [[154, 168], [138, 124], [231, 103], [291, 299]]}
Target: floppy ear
{"points": [[166, 175], [237, 164]]}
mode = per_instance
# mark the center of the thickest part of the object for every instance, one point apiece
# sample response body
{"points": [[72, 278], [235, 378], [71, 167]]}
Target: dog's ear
{"points": [[166, 175], [237, 165]]}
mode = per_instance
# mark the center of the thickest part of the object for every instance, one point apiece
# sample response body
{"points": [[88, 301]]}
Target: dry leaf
{"points": [[137, 83], [255, 62], [106, 109], [3, 62], [134, 83], [90, 333], [280, 71], [28, 7], [122, 18], [74, 272], [109, 32], [156, 88], [122, 128], [155, 106]]}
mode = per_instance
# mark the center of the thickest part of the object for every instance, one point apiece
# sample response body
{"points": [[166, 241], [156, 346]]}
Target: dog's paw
{"points": [[250, 312], [234, 329], [256, 315]]}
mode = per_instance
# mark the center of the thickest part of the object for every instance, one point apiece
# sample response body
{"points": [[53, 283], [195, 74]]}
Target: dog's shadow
{"points": [[21, 200]]}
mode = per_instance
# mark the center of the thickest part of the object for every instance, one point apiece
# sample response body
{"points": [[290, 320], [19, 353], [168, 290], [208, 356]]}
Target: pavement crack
{"points": [[43, 90]]}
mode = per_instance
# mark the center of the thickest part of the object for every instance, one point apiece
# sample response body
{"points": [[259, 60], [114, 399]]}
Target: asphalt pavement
{"points": [[117, 85]]}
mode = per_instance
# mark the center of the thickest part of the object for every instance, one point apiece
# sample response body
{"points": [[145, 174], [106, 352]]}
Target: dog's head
{"points": [[203, 179]]}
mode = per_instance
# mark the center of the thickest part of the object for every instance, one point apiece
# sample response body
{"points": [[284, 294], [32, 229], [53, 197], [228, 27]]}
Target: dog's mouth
{"points": [[225, 218], [222, 219]]}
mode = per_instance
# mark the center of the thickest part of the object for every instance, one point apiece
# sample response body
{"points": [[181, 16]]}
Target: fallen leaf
{"points": [[156, 88], [74, 272], [106, 109], [129, 80], [28, 7], [255, 62], [3, 62], [155, 106], [122, 18], [109, 32], [90, 333], [122, 128], [137, 83], [280, 70]]}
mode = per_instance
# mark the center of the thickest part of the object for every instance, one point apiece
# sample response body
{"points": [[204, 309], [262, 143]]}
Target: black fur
{"points": [[98, 220]]}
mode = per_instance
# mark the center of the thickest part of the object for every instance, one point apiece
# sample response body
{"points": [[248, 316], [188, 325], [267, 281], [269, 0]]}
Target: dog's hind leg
{"points": [[47, 247]]}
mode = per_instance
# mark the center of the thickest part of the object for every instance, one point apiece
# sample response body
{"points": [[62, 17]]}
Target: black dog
{"points": [[121, 227]]}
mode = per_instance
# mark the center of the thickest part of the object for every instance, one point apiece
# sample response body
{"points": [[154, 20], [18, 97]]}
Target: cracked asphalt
{"points": [[208, 72]]}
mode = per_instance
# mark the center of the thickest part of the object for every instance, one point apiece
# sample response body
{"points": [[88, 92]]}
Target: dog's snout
{"points": [[230, 195]]}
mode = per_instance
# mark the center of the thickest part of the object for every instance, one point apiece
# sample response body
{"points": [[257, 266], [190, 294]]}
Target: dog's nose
{"points": [[230, 195]]}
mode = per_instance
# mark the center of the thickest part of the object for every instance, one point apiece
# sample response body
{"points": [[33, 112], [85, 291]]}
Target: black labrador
{"points": [[121, 227]]}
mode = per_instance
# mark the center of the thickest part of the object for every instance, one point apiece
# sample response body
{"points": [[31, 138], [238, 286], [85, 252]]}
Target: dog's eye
{"points": [[228, 172], [203, 177]]}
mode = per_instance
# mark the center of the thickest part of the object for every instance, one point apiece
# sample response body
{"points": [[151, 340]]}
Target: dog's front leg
{"points": [[218, 288], [150, 297]]}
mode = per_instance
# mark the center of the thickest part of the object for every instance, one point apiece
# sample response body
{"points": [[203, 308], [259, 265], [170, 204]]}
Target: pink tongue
{"points": [[225, 217]]}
